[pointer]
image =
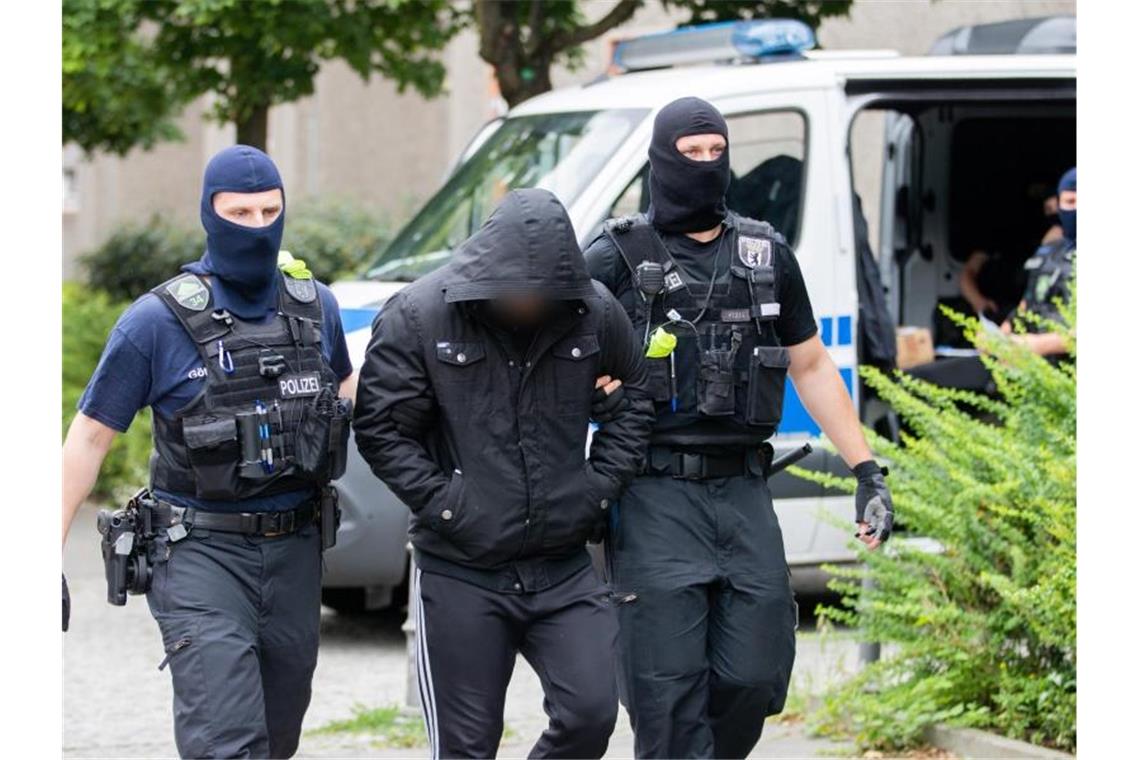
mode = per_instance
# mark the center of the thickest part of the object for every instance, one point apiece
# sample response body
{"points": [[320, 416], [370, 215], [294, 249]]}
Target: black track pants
{"points": [[707, 644], [469, 637], [240, 620]]}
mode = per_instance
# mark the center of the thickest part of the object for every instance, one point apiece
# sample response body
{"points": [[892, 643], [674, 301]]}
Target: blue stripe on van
{"points": [[356, 319], [844, 331], [825, 332], [796, 419]]}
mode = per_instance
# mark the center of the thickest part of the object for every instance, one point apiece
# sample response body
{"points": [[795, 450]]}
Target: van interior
{"points": [[964, 171]]}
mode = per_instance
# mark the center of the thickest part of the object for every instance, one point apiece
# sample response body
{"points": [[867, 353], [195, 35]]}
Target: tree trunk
{"points": [[255, 129], [518, 82]]}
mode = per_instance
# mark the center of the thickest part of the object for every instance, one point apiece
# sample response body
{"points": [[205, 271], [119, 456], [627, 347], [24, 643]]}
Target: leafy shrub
{"points": [[88, 317], [139, 256], [335, 237], [982, 630]]}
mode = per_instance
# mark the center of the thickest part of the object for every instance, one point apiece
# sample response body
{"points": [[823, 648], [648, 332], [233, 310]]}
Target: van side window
{"points": [[767, 152]]}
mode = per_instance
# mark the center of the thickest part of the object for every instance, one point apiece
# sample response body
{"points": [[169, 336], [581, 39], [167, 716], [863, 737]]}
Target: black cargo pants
{"points": [[707, 636], [240, 622], [468, 639]]}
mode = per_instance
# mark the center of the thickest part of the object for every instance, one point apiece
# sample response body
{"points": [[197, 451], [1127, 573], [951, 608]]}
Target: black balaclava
{"points": [[686, 195], [1068, 217], [241, 260]]}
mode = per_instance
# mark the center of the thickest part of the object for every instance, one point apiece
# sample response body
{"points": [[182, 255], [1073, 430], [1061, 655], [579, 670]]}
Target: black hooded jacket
{"points": [[482, 438]]}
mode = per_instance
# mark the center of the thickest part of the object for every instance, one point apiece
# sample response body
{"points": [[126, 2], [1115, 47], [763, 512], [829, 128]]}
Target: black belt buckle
{"points": [[250, 522], [688, 466]]}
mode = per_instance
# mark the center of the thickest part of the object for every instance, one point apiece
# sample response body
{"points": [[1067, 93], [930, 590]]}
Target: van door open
{"points": [[962, 153]]}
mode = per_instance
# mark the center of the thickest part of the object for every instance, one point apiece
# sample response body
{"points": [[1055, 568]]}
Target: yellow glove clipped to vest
{"points": [[661, 344], [295, 268]]}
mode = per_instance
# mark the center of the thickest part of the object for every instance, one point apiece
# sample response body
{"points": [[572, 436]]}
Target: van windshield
{"points": [[560, 152]]}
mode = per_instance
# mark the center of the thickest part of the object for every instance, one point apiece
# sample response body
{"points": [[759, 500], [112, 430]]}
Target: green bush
{"points": [[139, 256], [88, 317], [982, 630], [336, 237]]}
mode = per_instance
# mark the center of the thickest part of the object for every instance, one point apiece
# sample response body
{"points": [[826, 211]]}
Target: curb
{"points": [[974, 744]]}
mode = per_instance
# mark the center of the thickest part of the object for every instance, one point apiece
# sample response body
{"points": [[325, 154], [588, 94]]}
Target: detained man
{"points": [[474, 405]]}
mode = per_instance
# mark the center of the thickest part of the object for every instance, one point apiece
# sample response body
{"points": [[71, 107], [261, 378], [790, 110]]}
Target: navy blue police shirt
{"points": [[150, 360]]}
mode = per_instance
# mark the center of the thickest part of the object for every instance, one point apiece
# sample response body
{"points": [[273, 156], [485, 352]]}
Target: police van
{"points": [[953, 144]]}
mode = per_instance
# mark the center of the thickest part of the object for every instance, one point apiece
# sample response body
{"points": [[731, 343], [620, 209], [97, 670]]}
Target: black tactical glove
{"points": [[606, 406], [873, 501], [66, 604]]}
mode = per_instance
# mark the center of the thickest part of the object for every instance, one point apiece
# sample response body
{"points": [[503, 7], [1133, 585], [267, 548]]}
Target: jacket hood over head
{"points": [[527, 247]]}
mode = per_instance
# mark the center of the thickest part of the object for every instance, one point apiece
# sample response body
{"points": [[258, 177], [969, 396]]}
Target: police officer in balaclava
{"points": [[1049, 275], [241, 361], [707, 620]]}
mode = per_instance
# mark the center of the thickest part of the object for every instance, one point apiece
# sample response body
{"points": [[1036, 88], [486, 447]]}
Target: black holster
{"points": [[329, 516]]}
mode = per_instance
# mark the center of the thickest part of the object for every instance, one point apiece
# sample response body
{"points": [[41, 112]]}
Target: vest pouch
{"points": [[214, 453], [339, 428], [321, 447], [767, 376], [716, 394], [660, 386]]}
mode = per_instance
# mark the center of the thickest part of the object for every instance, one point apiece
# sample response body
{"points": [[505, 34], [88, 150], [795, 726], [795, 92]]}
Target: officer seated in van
{"points": [[1049, 275]]}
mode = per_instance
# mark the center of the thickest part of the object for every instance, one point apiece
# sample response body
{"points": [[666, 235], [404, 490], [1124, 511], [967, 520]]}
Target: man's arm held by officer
{"points": [[395, 407], [618, 448], [825, 397]]}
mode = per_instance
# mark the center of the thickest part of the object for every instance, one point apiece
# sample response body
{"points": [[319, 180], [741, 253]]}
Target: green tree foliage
{"points": [[115, 96], [88, 317], [132, 65], [335, 236], [980, 631], [522, 39]]}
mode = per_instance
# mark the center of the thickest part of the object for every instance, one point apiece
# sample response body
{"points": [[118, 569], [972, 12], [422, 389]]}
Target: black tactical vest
{"points": [[268, 420], [724, 383], [1049, 275]]}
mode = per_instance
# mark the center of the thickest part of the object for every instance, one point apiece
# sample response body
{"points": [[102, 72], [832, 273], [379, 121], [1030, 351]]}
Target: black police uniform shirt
{"points": [[796, 322], [150, 360]]}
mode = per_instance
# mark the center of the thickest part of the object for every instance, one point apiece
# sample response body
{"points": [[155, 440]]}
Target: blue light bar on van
{"points": [[725, 41]]}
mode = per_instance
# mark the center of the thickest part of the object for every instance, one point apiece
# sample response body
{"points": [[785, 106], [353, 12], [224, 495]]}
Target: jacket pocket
{"points": [[214, 453], [571, 524], [767, 376], [455, 356], [575, 371], [444, 512]]}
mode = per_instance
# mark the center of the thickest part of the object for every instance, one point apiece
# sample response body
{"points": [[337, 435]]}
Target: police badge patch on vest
{"points": [[303, 290], [754, 252], [190, 292], [300, 384]]}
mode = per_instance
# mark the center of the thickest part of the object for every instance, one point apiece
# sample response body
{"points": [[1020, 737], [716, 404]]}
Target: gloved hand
{"points": [[66, 604], [608, 400], [874, 510]]}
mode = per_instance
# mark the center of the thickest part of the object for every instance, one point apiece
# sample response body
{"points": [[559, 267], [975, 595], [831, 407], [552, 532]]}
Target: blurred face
{"points": [[249, 209], [521, 311], [1067, 200], [701, 147], [1049, 205]]}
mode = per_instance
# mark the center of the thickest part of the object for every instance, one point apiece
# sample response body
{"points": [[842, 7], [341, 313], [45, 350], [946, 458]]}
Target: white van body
{"points": [[824, 92]]}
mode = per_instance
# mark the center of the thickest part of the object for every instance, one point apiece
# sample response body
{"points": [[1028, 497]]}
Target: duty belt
{"points": [[250, 523], [687, 465]]}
